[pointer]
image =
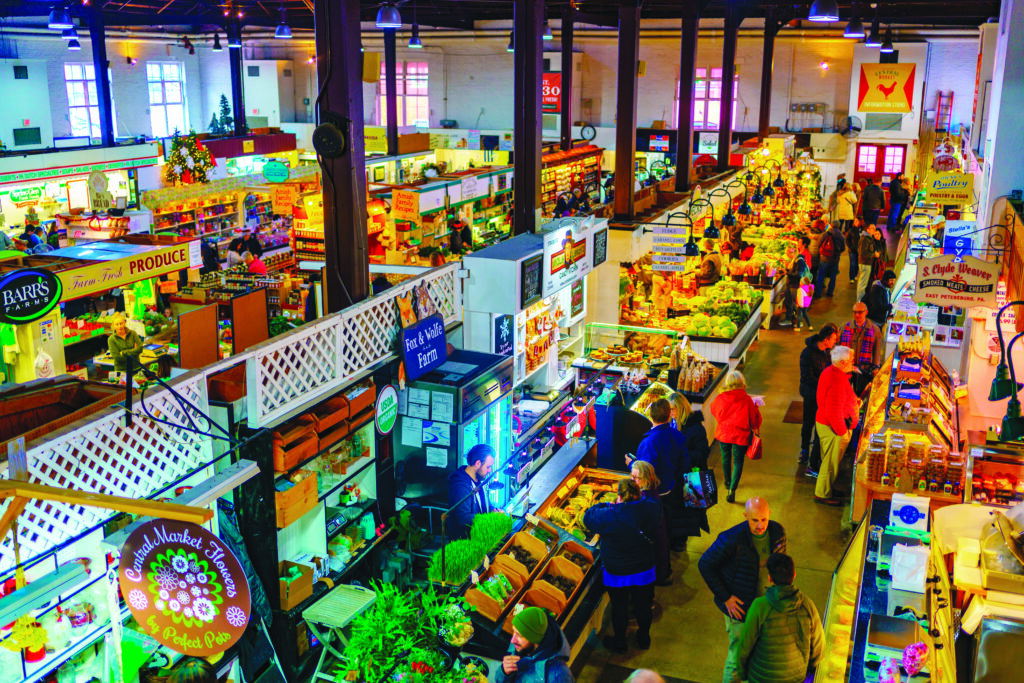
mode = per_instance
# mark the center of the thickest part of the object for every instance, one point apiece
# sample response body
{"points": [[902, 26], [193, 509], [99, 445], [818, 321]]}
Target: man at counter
{"points": [[466, 503], [122, 344]]}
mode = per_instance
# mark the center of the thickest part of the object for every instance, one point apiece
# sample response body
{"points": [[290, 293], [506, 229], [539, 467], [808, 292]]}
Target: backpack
{"points": [[827, 250]]}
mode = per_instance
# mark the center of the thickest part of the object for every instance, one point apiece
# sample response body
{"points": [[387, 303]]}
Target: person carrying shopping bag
{"points": [[738, 425]]}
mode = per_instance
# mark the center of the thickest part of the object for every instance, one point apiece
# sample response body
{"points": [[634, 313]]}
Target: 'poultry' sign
{"points": [[886, 88]]}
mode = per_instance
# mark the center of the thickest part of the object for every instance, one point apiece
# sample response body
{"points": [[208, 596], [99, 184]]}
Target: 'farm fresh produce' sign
{"points": [[184, 587], [106, 275], [944, 281]]}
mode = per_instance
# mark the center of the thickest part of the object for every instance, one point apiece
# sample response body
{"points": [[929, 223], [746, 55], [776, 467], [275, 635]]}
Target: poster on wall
{"points": [[947, 281], [567, 248], [949, 188], [886, 88], [376, 139], [405, 206], [551, 93], [185, 587]]}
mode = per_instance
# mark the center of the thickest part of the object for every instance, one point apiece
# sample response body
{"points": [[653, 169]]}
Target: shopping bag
{"points": [[754, 449], [700, 489]]}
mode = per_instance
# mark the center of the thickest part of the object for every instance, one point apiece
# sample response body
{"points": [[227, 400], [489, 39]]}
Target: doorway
{"points": [[880, 162]]}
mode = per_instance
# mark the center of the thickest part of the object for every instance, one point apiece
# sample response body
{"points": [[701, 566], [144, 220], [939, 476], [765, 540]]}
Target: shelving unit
{"points": [[563, 171]]}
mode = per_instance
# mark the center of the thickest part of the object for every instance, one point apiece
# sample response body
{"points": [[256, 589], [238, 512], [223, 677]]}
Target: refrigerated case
{"points": [[995, 475], [466, 401]]}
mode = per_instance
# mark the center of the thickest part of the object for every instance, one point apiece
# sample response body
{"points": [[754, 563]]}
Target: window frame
{"points": [[416, 103], [887, 162], [90, 96], [703, 79], [162, 107]]}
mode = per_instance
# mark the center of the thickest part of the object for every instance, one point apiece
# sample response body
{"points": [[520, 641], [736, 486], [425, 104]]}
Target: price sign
{"points": [[600, 247], [551, 93], [530, 280]]}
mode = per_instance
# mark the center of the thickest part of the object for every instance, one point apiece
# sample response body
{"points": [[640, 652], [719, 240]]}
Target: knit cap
{"points": [[532, 624]]}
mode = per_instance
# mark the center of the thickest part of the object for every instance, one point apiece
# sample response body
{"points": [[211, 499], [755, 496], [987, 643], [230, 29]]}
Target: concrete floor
{"points": [[688, 637]]}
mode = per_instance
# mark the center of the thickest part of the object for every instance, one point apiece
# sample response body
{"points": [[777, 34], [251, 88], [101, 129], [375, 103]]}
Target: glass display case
{"points": [[995, 475], [838, 618]]}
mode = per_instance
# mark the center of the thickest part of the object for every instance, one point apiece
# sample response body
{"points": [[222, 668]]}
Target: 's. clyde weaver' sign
{"points": [[184, 587], [945, 281]]}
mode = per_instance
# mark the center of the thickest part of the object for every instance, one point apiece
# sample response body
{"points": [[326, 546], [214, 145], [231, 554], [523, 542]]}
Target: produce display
{"points": [[459, 559], [719, 312], [490, 529], [583, 489], [695, 371]]}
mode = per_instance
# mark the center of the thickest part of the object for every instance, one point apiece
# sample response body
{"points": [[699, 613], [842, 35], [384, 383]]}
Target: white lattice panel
{"points": [[297, 369], [104, 456]]}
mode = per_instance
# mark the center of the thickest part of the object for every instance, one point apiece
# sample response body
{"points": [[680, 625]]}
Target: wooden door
{"points": [[881, 163]]}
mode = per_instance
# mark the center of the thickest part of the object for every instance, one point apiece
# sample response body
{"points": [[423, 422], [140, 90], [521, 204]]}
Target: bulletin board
{"points": [[250, 323], [197, 338]]}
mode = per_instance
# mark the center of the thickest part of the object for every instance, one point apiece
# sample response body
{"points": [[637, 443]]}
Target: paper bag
{"points": [[909, 567]]}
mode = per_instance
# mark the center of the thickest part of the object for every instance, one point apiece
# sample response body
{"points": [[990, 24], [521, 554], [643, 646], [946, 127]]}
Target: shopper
{"points": [[867, 253], [251, 243], [805, 249], [466, 495], [782, 639], [735, 569], [234, 257], [688, 521], [211, 263], [738, 420], [123, 344], [539, 652], [627, 528], [804, 299], [662, 446], [897, 200], [872, 202], [830, 250], [852, 237], [254, 264], [838, 411], [813, 361], [645, 676], [642, 473], [865, 338], [879, 298], [846, 204]]}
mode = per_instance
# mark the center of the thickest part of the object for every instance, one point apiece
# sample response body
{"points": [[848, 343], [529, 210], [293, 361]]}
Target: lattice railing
{"points": [[289, 372], [102, 455]]}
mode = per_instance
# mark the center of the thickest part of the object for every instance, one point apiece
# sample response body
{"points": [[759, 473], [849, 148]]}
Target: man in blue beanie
{"points": [[539, 651]]}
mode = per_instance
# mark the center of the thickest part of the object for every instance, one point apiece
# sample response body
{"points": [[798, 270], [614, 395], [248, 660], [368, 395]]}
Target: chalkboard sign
{"points": [[576, 299], [530, 279], [600, 247], [423, 346], [503, 334]]}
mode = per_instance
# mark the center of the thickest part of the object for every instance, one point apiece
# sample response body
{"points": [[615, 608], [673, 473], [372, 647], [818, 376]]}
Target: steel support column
{"points": [[568, 17], [98, 38], [771, 28], [340, 77], [625, 109], [391, 89], [684, 114], [527, 25], [237, 99], [733, 19]]}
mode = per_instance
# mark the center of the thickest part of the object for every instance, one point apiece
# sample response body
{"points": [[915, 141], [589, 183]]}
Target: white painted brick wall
{"points": [[952, 66]]}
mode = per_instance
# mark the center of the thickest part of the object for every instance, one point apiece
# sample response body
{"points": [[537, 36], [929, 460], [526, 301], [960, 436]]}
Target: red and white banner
{"points": [[551, 93]]}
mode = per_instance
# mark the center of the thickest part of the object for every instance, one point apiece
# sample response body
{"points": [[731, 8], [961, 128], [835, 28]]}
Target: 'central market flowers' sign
{"points": [[185, 587]]}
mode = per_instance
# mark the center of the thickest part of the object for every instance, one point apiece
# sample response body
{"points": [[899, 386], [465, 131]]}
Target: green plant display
{"points": [[280, 324], [398, 636], [409, 535], [460, 557], [490, 528]]}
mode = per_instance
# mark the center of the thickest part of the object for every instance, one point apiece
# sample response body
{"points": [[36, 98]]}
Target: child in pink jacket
{"points": [[804, 297]]}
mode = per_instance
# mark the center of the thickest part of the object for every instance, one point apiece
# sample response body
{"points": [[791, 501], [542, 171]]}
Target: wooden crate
{"points": [[487, 606], [294, 442], [560, 567], [339, 432], [361, 397], [329, 413], [538, 596], [296, 501], [533, 545]]}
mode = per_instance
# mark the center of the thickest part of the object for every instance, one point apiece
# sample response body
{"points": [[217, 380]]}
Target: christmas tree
{"points": [[214, 127], [227, 122], [189, 162]]}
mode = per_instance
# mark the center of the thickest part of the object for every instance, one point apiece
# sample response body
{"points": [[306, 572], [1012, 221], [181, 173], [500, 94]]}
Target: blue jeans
{"points": [[801, 311], [733, 456], [826, 269], [895, 212], [853, 263]]}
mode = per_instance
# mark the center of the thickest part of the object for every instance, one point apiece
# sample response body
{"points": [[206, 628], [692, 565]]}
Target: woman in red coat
{"points": [[738, 419]]}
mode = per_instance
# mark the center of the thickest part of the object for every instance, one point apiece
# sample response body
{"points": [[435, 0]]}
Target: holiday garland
{"points": [[189, 162]]}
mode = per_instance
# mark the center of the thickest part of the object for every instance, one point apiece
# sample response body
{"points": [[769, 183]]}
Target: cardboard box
{"points": [[413, 142], [290, 594]]}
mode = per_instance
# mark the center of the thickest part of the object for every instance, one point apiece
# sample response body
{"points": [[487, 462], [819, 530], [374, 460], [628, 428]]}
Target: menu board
{"points": [[530, 280], [600, 246]]}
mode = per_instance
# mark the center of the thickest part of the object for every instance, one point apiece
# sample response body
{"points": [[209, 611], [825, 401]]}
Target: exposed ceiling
{"points": [[205, 15]]}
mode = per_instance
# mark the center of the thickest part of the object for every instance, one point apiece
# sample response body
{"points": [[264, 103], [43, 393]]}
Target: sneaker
{"points": [[853, 282], [813, 474], [810, 328], [831, 502], [785, 323], [610, 644], [731, 498], [802, 460], [643, 642]]}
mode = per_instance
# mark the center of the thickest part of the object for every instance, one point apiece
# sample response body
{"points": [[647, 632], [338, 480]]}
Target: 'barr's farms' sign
{"points": [[100, 277]]}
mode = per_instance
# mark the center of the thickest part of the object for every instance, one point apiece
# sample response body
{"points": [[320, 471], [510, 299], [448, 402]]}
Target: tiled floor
{"points": [[688, 638]]}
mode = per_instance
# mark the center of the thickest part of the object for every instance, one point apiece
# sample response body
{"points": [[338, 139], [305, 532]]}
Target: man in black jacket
{"points": [[466, 503], [879, 299], [873, 202], [735, 569], [813, 361]]}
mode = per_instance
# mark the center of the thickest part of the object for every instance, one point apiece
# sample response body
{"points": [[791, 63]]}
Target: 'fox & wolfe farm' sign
{"points": [[944, 281]]}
